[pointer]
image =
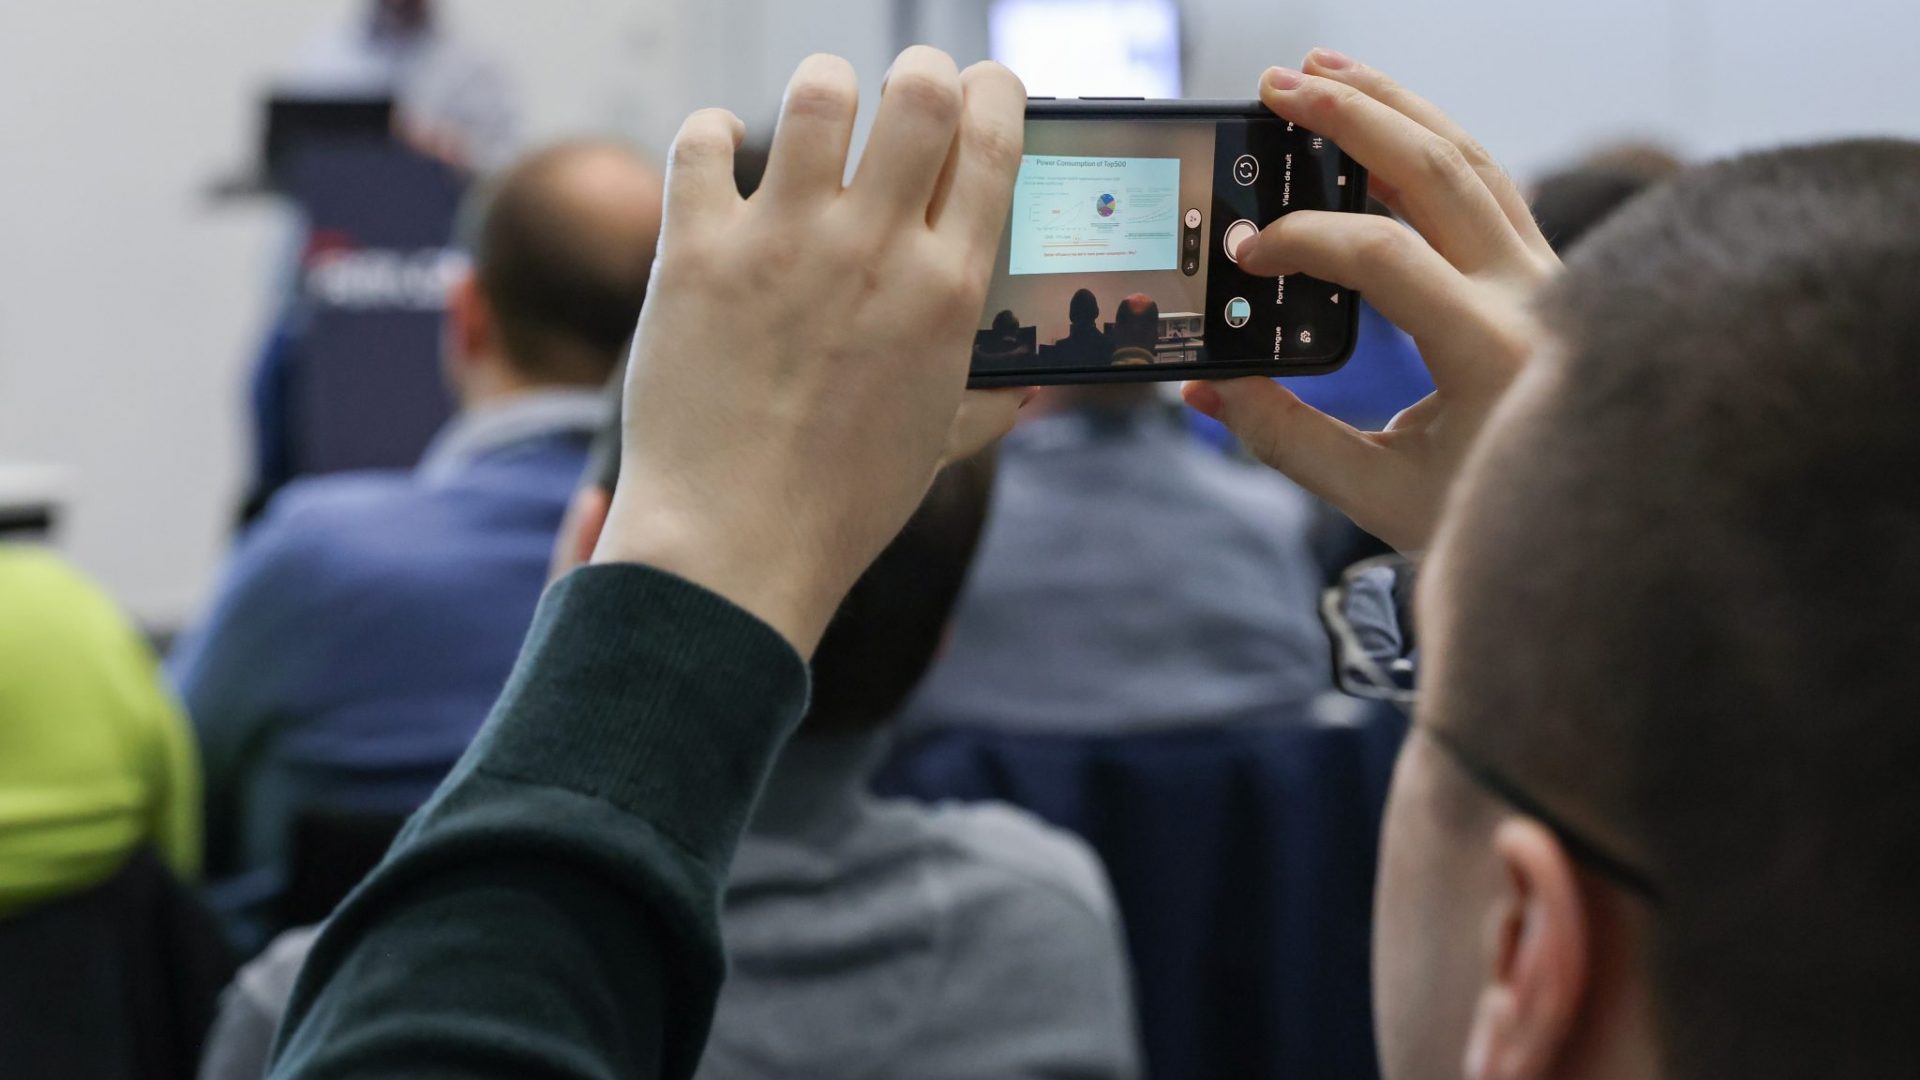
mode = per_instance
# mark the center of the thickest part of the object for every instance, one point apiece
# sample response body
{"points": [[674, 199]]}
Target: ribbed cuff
{"points": [[654, 694]]}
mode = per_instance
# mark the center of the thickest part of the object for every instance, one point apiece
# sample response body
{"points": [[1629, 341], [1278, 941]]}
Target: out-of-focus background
{"points": [[134, 298], [279, 385]]}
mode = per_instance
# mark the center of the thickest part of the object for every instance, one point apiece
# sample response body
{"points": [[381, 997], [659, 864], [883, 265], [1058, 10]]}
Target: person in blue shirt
{"points": [[1092, 609], [367, 621]]}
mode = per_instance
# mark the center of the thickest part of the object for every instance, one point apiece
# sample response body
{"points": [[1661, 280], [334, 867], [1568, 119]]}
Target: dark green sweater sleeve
{"points": [[553, 910]]}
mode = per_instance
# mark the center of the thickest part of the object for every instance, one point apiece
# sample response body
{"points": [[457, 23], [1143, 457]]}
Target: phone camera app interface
{"points": [[1124, 242]]}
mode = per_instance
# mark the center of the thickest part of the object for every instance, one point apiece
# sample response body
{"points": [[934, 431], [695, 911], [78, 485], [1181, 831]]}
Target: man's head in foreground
{"points": [[1571, 203], [562, 246], [890, 627], [1657, 817]]}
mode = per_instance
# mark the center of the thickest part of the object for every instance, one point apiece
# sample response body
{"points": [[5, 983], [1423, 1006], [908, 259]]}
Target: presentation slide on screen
{"points": [[1078, 215]]}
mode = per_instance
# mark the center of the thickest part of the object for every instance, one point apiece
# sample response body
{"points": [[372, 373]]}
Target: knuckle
{"points": [[824, 87], [1380, 249], [1325, 101], [970, 295], [780, 256], [996, 147], [1476, 154], [955, 293], [931, 95], [925, 56], [1441, 162], [706, 133], [855, 250], [986, 73]]}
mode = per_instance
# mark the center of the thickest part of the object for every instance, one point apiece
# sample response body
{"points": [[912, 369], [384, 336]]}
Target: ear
{"points": [[580, 530], [471, 330], [1536, 949]]}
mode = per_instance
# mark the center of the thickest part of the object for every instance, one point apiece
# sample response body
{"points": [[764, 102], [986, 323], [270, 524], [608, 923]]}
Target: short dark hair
{"points": [[1084, 307], [889, 628], [565, 280], [1569, 204], [1680, 598]]}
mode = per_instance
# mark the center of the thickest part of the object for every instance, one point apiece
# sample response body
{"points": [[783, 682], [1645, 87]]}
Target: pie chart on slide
{"points": [[1104, 205]]}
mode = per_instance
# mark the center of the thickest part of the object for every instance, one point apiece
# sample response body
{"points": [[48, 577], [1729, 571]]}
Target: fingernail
{"points": [[1204, 399], [1331, 60], [1281, 78]]}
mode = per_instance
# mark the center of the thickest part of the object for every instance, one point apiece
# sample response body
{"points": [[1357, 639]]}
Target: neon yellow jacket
{"points": [[96, 759]]}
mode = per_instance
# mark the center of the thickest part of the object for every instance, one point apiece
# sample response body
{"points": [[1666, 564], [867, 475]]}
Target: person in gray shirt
{"points": [[868, 937], [1132, 579]]}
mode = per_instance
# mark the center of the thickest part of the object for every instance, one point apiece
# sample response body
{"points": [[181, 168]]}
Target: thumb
{"points": [[984, 416], [1321, 454]]}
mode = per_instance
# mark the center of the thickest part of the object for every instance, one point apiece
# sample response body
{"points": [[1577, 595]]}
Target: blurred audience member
{"points": [[1569, 203], [1002, 344], [868, 937], [1136, 330], [1085, 344], [450, 100], [96, 761], [366, 623], [1131, 579]]}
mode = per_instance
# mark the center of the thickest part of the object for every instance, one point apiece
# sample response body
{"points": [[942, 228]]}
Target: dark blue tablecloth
{"points": [[1243, 860]]}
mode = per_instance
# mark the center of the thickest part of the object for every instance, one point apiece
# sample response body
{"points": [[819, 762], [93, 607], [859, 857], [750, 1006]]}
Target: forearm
{"points": [[552, 910]]}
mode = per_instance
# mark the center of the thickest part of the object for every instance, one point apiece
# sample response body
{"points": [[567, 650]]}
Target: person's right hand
{"points": [[1458, 282], [802, 357]]}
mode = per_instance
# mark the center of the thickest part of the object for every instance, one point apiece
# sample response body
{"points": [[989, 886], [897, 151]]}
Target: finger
{"points": [[1376, 85], [808, 158], [1402, 276], [913, 133], [984, 416], [977, 187], [1439, 191], [1328, 458], [700, 168]]}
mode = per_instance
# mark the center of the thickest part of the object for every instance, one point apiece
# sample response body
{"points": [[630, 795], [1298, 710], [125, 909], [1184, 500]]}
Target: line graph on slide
{"points": [[1088, 214]]}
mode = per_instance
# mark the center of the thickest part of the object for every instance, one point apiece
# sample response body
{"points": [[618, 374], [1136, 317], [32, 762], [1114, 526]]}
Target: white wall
{"points": [[1540, 80], [129, 308]]}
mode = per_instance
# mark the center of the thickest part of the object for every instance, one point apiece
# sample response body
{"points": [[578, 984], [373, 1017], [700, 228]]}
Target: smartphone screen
{"points": [[1119, 259]]}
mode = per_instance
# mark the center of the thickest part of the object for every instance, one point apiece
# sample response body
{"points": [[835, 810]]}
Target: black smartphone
{"points": [[1118, 263]]}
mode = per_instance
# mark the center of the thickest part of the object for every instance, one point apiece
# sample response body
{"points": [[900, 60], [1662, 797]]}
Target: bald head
{"points": [[563, 244]]}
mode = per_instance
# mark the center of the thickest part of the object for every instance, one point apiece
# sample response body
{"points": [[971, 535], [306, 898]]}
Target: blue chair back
{"points": [[1242, 857]]}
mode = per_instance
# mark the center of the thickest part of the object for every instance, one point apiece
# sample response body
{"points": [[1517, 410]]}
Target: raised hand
{"points": [[803, 354], [1458, 281]]}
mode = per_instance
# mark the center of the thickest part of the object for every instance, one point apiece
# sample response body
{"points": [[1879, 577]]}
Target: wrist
{"points": [[772, 578]]}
